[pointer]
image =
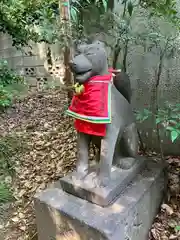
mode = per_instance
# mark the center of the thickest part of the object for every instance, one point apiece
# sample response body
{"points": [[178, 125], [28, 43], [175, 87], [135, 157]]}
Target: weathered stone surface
{"points": [[102, 196], [129, 218]]}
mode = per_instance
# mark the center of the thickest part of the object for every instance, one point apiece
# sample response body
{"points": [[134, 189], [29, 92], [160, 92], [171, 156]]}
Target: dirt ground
{"points": [[49, 142]]}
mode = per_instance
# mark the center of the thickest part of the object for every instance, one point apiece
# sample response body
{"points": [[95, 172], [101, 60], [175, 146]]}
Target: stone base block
{"points": [[61, 215], [102, 196]]}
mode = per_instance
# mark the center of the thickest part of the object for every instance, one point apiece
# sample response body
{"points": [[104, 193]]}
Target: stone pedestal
{"points": [[61, 215], [102, 196]]}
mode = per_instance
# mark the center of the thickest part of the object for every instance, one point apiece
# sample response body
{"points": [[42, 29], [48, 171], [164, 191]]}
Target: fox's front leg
{"points": [[83, 141]]}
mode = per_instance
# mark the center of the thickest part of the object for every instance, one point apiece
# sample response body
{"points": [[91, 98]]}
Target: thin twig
{"points": [[34, 235], [142, 147]]}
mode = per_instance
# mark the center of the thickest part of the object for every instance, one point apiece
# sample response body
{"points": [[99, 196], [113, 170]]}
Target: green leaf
{"points": [[130, 8], [158, 120], [65, 4], [147, 112], [74, 14], [170, 128], [177, 228], [105, 4], [174, 136], [144, 118]]}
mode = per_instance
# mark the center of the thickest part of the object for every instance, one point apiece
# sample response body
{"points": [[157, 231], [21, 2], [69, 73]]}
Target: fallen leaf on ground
{"points": [[168, 209]]}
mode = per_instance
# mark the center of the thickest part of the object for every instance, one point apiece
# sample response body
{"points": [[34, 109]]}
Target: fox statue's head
{"points": [[89, 60]]}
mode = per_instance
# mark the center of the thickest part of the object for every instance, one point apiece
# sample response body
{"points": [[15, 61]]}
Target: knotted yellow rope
{"points": [[79, 88]]}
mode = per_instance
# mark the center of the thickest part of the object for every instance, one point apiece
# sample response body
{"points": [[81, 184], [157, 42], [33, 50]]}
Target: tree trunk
{"points": [[110, 4], [64, 7], [68, 75]]}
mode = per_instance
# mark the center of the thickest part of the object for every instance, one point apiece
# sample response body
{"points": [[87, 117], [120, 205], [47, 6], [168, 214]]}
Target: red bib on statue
{"points": [[92, 108]]}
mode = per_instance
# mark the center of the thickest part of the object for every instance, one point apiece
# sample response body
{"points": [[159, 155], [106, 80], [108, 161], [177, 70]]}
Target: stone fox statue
{"points": [[102, 113]]}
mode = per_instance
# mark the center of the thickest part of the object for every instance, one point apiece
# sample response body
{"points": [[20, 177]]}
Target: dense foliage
{"points": [[167, 119], [7, 75], [8, 80], [163, 8], [38, 20], [19, 17]]}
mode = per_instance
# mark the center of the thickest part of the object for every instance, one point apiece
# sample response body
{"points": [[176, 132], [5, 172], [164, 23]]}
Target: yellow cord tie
{"points": [[79, 88]]}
